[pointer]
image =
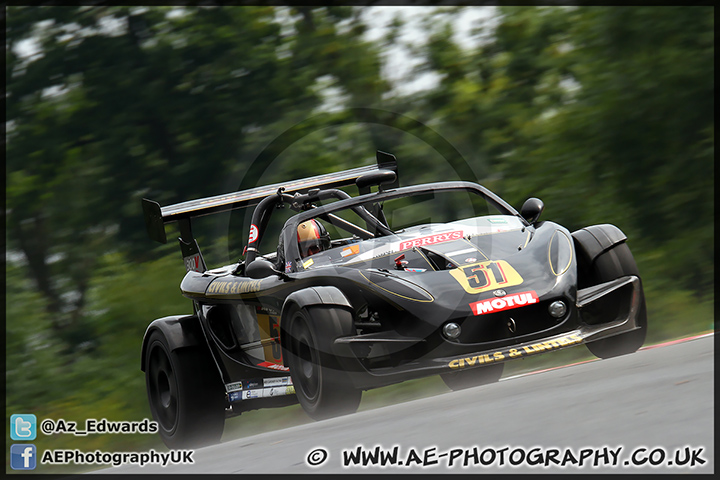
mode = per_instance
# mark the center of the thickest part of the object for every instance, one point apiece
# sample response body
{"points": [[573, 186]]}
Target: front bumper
{"points": [[605, 310]]}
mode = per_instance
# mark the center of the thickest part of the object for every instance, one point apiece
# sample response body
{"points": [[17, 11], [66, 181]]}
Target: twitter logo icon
{"points": [[23, 427]]}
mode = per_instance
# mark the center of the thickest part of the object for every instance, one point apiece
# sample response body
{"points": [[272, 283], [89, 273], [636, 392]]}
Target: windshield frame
{"points": [[292, 251]]}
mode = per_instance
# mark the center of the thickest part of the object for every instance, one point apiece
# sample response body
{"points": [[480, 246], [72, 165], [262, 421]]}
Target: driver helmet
{"points": [[312, 238]]}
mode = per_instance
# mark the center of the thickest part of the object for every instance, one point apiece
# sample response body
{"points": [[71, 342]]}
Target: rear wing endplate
{"points": [[156, 216]]}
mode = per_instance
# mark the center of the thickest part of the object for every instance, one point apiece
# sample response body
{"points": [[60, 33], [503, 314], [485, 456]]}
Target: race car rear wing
{"points": [[156, 216]]}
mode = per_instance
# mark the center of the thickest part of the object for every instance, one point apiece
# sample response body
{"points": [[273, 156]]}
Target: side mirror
{"points": [[262, 268], [378, 177], [531, 209]]}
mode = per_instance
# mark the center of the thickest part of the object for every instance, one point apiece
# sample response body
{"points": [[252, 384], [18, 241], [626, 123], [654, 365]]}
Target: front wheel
{"points": [[322, 388], [473, 377], [618, 262], [185, 393]]}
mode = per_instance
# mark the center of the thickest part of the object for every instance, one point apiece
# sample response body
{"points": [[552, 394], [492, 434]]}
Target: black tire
{"points": [[322, 387], [185, 392], [473, 377], [614, 263]]}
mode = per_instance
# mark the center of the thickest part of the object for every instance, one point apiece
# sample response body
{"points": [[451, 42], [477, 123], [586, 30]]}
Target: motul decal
{"points": [[431, 239], [253, 234], [515, 300]]}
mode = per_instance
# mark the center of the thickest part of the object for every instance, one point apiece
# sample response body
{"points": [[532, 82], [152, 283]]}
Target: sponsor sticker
{"points": [[518, 352], [274, 366], [308, 262], [253, 234], [274, 392], [252, 384], [431, 239], [515, 300], [234, 287], [233, 387], [262, 393], [351, 250], [192, 263], [249, 394], [277, 381]]}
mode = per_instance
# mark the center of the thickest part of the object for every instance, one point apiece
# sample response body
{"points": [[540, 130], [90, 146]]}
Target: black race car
{"points": [[393, 284]]}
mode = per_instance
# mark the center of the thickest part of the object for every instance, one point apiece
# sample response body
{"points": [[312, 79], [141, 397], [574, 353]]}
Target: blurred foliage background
{"points": [[606, 113]]}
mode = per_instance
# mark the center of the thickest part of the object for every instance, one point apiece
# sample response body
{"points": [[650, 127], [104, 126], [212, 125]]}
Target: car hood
{"points": [[445, 268]]}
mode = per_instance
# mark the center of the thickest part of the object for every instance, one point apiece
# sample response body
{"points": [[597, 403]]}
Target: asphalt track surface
{"points": [[656, 406]]}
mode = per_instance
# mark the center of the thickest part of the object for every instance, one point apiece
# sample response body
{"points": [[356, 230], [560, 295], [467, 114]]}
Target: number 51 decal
{"points": [[484, 276]]}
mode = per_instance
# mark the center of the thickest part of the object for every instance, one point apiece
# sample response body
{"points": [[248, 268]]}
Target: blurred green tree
{"points": [[604, 112], [107, 105]]}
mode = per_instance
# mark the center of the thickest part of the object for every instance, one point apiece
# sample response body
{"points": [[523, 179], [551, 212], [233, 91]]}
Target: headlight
{"points": [[560, 252], [557, 309], [451, 330]]}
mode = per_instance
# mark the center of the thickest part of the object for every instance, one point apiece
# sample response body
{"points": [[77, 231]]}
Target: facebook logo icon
{"points": [[23, 427], [22, 457]]}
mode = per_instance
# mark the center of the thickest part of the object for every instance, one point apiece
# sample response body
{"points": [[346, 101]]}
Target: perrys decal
{"points": [[522, 351], [253, 234], [485, 276], [431, 239], [514, 300]]}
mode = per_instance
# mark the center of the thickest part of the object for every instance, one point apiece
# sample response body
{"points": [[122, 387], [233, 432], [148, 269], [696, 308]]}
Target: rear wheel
{"points": [[186, 395], [473, 377], [321, 386], [618, 262]]}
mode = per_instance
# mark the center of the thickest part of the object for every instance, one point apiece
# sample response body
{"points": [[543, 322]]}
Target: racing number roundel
{"points": [[484, 276]]}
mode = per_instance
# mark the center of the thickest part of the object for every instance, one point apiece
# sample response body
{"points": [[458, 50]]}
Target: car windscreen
{"points": [[420, 208]]}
